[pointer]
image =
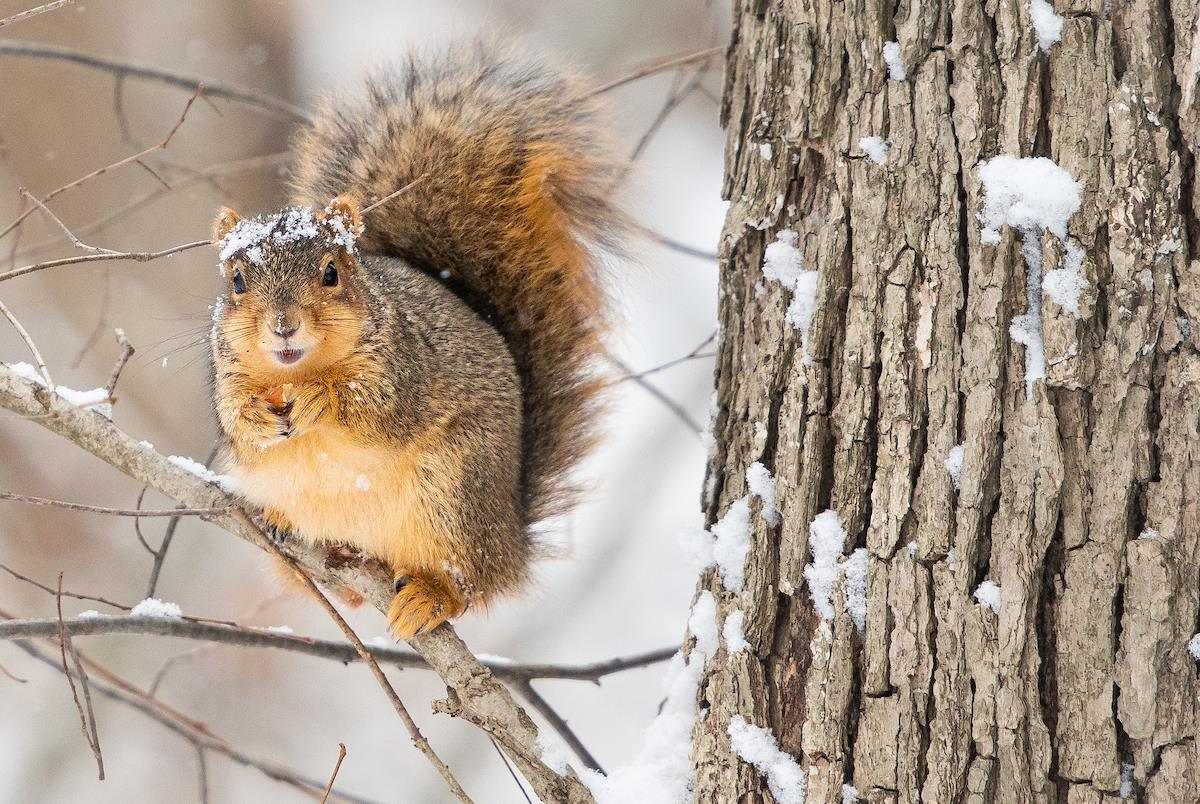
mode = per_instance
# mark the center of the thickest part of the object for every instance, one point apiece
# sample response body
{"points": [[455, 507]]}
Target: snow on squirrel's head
{"points": [[293, 300]]}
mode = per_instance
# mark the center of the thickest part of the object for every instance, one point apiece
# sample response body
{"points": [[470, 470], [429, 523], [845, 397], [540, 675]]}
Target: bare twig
{"points": [[343, 652], [33, 12], [133, 256], [675, 245], [508, 766], [657, 67], [24, 334], [62, 593], [207, 174], [127, 351], [98, 509], [101, 319], [556, 721], [118, 689], [79, 244], [212, 89], [91, 724], [100, 171], [692, 355], [654, 391], [160, 555], [165, 184], [87, 720], [414, 732], [8, 674], [393, 194], [333, 776], [677, 96], [202, 774]]}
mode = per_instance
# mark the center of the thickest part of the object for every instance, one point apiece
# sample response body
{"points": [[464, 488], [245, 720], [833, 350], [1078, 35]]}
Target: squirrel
{"points": [[419, 381]]}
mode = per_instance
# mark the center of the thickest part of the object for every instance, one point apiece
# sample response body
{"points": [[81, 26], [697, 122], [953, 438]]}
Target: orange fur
{"points": [[444, 388]]}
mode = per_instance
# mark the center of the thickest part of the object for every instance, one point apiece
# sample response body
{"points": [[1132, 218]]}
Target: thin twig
{"points": [[160, 555], [675, 245], [212, 89], [33, 12], [393, 194], [60, 592], [333, 776], [99, 509], [511, 772], [118, 689], [113, 166], [141, 256], [8, 674], [677, 96], [692, 355], [127, 351], [94, 739], [654, 391], [202, 774], [556, 721], [207, 174], [152, 691], [79, 244], [343, 652], [64, 644], [24, 334], [94, 335], [414, 732], [166, 185], [656, 67]]}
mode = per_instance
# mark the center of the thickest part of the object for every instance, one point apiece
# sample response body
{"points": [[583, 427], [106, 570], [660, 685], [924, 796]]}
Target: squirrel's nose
{"points": [[285, 330]]}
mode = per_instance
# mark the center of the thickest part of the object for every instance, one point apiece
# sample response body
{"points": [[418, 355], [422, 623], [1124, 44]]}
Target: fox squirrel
{"points": [[418, 381]]}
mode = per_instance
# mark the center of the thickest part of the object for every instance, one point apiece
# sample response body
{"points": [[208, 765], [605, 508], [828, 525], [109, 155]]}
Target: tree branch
{"points": [[41, 203], [212, 89], [33, 12], [244, 636], [133, 256], [100, 509], [478, 695], [657, 67]]}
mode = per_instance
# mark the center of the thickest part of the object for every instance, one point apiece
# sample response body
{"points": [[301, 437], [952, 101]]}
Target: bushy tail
{"points": [[512, 183]]}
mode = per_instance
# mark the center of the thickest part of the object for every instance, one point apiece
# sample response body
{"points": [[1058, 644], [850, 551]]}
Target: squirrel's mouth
{"points": [[289, 356]]}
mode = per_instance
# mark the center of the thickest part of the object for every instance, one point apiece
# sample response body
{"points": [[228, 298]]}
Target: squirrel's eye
{"points": [[330, 277], [239, 284]]}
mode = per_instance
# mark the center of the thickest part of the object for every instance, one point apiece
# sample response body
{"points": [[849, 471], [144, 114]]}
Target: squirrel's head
{"points": [[293, 301]]}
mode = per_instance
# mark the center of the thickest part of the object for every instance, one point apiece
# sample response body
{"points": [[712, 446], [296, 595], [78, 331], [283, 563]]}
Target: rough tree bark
{"points": [[1085, 668]]}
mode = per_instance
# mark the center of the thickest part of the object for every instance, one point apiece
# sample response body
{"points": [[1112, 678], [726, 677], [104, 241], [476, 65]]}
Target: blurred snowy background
{"points": [[624, 589]]}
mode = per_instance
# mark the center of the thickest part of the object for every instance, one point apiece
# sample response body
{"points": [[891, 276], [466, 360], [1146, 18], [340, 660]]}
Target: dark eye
{"points": [[330, 278], [239, 284]]}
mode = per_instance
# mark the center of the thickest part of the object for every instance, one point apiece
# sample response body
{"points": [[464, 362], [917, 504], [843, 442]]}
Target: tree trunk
{"points": [[1078, 491]]}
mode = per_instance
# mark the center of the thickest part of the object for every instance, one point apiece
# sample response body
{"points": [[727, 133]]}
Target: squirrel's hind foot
{"points": [[424, 600]]}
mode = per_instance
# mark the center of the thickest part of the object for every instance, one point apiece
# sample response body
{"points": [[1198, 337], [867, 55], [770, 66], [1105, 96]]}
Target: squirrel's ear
{"points": [[345, 208], [224, 222]]}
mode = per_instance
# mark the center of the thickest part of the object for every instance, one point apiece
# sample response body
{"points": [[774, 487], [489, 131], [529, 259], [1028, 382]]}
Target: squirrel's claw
{"points": [[278, 533], [424, 600]]}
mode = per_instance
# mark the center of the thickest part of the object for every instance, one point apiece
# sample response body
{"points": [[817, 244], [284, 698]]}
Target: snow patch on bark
{"points": [[757, 746], [1032, 196]]}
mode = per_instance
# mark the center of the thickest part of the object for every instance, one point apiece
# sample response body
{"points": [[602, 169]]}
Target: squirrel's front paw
{"points": [[424, 600], [264, 425], [278, 534], [276, 526]]}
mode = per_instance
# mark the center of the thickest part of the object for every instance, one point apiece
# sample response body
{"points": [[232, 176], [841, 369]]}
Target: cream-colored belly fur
{"points": [[333, 489]]}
